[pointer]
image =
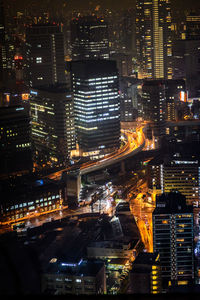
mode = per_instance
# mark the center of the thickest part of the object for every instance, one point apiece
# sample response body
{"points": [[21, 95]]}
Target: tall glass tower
{"points": [[96, 106], [153, 38]]}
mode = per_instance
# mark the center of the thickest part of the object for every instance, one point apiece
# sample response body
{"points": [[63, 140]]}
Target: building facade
{"points": [[145, 276], [173, 239], [29, 197], [85, 277], [45, 55], [154, 108], [16, 144], [182, 174], [153, 38], [52, 125], [89, 38], [96, 106]]}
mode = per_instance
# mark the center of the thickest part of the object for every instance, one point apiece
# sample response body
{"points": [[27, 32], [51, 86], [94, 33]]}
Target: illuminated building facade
{"points": [[144, 38], [145, 276], [45, 55], [193, 26], [52, 125], [181, 174], [175, 93], [16, 145], [96, 106], [153, 38], [29, 197], [173, 239], [89, 38], [15, 94], [154, 174]]}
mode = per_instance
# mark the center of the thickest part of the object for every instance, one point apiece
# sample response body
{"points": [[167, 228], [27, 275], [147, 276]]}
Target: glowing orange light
{"points": [[25, 96], [8, 98], [17, 57]]}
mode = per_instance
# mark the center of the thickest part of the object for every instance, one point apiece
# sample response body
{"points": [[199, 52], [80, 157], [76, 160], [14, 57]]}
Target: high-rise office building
{"points": [[45, 55], [186, 131], [128, 98], [186, 64], [175, 94], [173, 239], [16, 146], [154, 107], [193, 26], [181, 173], [53, 131], [153, 38], [186, 56], [96, 106], [160, 102], [89, 38]]}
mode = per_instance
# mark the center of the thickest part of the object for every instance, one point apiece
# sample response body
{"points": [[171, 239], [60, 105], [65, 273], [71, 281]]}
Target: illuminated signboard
{"points": [[183, 96], [33, 93]]}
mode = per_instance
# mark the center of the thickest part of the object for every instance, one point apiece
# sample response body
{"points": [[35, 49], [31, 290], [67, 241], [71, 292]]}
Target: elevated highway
{"points": [[135, 142]]}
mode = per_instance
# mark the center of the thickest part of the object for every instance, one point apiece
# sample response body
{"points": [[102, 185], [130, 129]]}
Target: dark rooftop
{"points": [[83, 267], [170, 203], [53, 88]]}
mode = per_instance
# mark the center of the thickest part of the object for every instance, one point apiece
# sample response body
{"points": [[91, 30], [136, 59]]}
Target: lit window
{"points": [[38, 60], [165, 222]]}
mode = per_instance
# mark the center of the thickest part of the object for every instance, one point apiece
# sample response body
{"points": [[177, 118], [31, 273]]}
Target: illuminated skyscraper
{"points": [[182, 174], [45, 55], [96, 106], [52, 125], [153, 38], [89, 38], [173, 239]]}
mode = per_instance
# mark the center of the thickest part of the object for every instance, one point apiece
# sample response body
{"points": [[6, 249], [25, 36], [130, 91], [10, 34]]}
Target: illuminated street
{"points": [[142, 211]]}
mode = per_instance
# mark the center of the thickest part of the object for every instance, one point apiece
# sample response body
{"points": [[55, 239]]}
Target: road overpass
{"points": [[135, 142]]}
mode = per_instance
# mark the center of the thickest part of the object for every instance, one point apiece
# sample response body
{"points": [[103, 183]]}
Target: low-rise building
{"points": [[25, 197], [111, 249], [74, 277], [145, 276]]}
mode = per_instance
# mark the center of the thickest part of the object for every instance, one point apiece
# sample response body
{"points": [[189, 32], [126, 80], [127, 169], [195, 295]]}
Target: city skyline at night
{"points": [[99, 147]]}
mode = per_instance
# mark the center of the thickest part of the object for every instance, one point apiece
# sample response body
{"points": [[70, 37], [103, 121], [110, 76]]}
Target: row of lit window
{"points": [[32, 202]]}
